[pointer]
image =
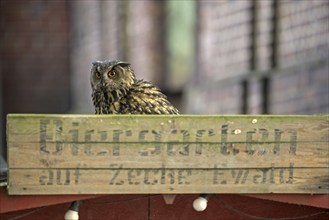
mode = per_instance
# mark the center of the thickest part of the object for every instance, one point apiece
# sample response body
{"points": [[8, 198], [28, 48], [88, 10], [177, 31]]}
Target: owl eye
{"points": [[98, 75], [112, 73]]}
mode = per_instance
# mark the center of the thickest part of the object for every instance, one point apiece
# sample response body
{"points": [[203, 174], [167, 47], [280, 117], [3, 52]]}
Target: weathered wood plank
{"points": [[179, 155], [78, 154], [113, 181], [165, 128]]}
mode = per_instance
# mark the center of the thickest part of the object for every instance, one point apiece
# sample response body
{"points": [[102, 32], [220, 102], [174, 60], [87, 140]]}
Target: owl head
{"points": [[111, 75]]}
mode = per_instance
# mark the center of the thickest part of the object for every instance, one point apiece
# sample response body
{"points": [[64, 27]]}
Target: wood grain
{"points": [[158, 154], [135, 155], [164, 181]]}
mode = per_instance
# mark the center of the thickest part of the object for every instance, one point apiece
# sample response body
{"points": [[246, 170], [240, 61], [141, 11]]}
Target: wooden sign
{"points": [[99, 154]]}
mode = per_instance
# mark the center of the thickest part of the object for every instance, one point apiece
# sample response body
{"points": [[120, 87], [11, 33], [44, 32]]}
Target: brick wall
{"points": [[303, 31], [34, 54], [261, 57], [208, 99], [303, 43], [264, 34], [302, 91], [223, 40], [34, 68]]}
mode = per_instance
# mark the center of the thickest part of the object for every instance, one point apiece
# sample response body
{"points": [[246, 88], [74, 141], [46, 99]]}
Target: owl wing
{"points": [[145, 98]]}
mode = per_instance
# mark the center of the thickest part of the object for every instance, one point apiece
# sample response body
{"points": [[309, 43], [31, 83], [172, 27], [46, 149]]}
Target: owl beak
{"points": [[103, 86]]}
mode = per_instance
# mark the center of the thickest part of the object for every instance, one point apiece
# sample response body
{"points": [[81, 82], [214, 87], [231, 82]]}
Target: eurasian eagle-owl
{"points": [[115, 90]]}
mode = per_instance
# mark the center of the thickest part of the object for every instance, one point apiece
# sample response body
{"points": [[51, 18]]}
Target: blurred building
{"points": [[261, 57], [209, 57]]}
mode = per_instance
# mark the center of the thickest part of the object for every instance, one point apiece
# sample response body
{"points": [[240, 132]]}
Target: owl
{"points": [[115, 90]]}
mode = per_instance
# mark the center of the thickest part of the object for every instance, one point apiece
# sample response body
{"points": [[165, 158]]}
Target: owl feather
{"points": [[115, 90]]}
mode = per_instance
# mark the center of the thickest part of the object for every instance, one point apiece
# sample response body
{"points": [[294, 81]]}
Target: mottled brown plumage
{"points": [[115, 90]]}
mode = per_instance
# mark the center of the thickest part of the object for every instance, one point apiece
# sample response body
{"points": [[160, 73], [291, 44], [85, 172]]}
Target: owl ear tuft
{"points": [[122, 64], [95, 63]]}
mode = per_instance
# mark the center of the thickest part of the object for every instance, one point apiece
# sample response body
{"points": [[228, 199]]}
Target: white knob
{"points": [[71, 215], [200, 204]]}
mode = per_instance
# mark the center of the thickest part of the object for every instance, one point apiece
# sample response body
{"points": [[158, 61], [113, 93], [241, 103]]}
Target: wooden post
{"points": [[100, 154]]}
